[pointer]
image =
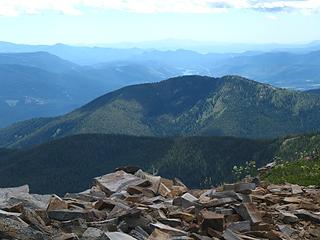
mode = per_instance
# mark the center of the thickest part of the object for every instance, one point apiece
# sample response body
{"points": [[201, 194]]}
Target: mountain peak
{"points": [[185, 105]]}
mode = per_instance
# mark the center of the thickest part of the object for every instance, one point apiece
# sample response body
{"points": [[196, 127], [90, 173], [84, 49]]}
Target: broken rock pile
{"points": [[131, 204]]}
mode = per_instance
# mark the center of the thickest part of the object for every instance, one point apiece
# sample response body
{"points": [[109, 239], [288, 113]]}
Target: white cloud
{"points": [[72, 7], [17, 7], [272, 17], [285, 5]]}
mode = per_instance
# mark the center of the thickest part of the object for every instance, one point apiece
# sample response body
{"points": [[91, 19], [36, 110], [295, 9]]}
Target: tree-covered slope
{"points": [[69, 164], [189, 105]]}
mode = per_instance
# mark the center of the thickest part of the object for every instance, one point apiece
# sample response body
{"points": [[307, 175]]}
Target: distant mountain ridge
{"points": [[282, 69], [40, 84], [286, 66], [188, 105], [42, 60]]}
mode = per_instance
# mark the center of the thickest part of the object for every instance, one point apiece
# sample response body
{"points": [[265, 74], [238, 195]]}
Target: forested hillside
{"points": [[188, 105], [69, 164]]}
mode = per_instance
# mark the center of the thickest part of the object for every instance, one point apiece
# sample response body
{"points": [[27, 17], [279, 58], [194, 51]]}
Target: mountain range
{"points": [[40, 84], [188, 105], [280, 67], [127, 49], [48, 81]]}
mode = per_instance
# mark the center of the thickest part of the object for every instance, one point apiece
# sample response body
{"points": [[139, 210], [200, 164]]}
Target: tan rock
{"points": [[292, 200], [56, 203], [164, 190], [308, 206], [159, 235], [169, 230], [296, 189], [187, 217]]}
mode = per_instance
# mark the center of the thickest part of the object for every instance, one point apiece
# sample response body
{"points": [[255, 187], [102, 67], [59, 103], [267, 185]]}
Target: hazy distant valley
{"points": [[45, 81]]}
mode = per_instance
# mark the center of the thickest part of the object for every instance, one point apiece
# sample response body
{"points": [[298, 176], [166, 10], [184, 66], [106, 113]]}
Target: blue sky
{"points": [[111, 21]]}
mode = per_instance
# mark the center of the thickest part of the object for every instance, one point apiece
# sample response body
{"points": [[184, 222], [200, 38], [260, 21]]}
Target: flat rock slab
{"points": [[8, 214], [225, 211], [186, 200], [118, 181], [172, 222], [226, 194], [296, 189], [13, 196], [243, 226], [286, 230], [249, 212], [200, 237], [218, 202], [169, 230], [230, 235], [182, 215], [159, 235], [5, 192], [118, 236], [288, 217], [245, 188], [67, 215], [307, 216], [211, 219], [292, 200]]}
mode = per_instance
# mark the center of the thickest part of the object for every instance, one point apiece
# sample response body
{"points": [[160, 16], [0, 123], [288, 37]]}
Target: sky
{"points": [[114, 21]]}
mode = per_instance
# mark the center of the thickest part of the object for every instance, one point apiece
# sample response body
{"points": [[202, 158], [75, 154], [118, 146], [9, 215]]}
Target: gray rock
{"points": [[243, 226], [13, 196], [288, 217], [14, 228], [94, 234], [171, 222], [224, 211], [307, 216], [186, 200], [219, 202], [118, 181], [249, 212], [139, 233], [230, 235], [296, 189], [67, 215], [286, 230]]}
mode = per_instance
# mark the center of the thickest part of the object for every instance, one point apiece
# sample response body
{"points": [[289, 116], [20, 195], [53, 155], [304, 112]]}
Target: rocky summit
{"points": [[131, 204]]}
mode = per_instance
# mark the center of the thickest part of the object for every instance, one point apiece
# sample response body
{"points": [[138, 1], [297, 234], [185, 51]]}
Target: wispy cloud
{"points": [[285, 5], [75, 7]]}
